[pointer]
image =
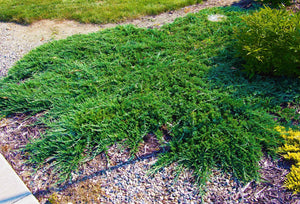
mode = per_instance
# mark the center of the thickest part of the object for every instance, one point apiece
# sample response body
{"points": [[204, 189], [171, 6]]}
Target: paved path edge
{"points": [[12, 188]]}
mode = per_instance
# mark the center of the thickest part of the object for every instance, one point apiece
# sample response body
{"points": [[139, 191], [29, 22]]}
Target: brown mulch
{"points": [[15, 132]]}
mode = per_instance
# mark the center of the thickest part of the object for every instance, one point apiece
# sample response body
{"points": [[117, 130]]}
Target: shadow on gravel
{"points": [[246, 4]]}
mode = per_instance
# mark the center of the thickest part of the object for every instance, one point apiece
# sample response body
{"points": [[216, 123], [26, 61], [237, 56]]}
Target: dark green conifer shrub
{"points": [[269, 42], [275, 3]]}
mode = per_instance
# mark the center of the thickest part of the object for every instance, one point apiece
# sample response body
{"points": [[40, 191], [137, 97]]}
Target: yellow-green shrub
{"points": [[269, 42], [291, 151]]}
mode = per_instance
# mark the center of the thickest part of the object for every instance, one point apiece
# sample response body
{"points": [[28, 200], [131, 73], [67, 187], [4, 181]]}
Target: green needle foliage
{"points": [[270, 42], [120, 84], [86, 11]]}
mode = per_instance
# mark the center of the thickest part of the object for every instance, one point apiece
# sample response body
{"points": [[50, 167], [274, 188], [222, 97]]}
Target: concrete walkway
{"points": [[12, 188]]}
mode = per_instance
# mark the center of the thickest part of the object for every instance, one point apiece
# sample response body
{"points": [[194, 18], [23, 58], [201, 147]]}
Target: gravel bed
{"points": [[122, 179]]}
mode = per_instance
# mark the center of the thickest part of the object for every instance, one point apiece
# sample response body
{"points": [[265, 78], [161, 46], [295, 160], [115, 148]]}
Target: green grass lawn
{"points": [[120, 84], [86, 11]]}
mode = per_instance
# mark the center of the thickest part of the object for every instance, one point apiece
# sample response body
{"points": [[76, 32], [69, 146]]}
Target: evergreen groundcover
{"points": [[120, 84]]}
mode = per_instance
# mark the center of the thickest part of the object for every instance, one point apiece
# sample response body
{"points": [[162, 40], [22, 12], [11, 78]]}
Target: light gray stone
{"points": [[216, 17], [12, 188]]}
